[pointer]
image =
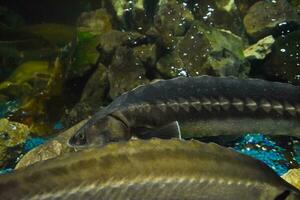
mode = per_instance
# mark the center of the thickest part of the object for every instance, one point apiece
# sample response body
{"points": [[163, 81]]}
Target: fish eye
{"points": [[77, 140], [81, 139], [81, 136]]}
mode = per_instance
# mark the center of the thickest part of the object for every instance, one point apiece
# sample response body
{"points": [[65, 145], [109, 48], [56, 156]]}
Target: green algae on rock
{"points": [[94, 22], [265, 16], [131, 15], [33, 84], [29, 78], [85, 56], [206, 50], [12, 136], [259, 50], [18, 46], [90, 27]]}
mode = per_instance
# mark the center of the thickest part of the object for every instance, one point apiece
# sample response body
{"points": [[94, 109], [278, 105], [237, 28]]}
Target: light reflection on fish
{"points": [[148, 170], [195, 107]]}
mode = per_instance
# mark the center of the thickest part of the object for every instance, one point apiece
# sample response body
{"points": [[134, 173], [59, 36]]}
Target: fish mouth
{"points": [[77, 147]]}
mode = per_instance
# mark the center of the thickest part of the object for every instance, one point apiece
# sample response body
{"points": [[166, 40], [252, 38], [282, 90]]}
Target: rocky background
{"points": [[61, 61]]}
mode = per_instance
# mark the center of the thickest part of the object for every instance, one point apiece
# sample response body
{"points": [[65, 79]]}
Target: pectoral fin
{"points": [[171, 130]]}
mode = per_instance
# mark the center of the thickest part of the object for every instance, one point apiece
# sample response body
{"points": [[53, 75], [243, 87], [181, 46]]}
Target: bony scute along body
{"points": [[149, 170], [195, 107]]}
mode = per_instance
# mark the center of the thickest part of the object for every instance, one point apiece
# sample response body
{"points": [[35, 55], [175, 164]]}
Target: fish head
{"points": [[87, 137], [99, 133]]}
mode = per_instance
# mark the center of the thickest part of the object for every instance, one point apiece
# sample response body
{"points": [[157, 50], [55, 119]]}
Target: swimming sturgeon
{"points": [[196, 107], [148, 170]]}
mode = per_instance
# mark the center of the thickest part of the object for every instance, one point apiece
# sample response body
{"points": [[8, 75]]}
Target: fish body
{"points": [[200, 106], [149, 170]]}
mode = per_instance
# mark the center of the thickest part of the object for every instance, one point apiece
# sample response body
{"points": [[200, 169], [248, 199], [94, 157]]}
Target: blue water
{"points": [[32, 143], [266, 150], [58, 126], [8, 107]]}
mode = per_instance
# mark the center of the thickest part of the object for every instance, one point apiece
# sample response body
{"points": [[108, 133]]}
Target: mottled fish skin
{"points": [[203, 106], [149, 170]]}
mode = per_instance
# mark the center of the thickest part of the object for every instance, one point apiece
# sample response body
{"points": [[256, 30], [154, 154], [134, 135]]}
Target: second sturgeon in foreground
{"points": [[149, 170], [196, 107]]}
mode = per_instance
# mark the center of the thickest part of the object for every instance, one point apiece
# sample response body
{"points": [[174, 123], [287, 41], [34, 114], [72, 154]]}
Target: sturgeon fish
{"points": [[149, 170], [195, 107]]}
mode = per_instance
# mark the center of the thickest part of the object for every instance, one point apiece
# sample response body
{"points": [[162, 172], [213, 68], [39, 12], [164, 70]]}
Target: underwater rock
{"points": [[171, 65], [125, 72], [172, 20], [29, 78], [41, 107], [94, 90], [147, 54], [94, 22], [92, 97], [292, 177], [260, 49], [57, 34], [34, 84], [114, 39], [244, 5], [90, 28], [51, 149], [222, 14], [264, 17], [34, 78], [80, 111], [12, 136], [206, 50], [132, 14], [284, 61], [85, 55]]}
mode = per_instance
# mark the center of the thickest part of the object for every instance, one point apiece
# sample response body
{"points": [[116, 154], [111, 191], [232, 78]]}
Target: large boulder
{"points": [[206, 50], [12, 137], [265, 17]]}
